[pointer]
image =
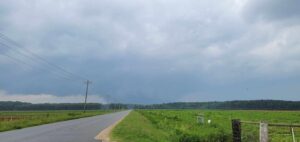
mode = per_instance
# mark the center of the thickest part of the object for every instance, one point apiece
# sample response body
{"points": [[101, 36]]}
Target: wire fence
{"points": [[265, 132]]}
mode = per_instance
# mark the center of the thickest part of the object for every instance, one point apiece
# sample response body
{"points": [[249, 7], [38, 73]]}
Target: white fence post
{"points": [[293, 134], [263, 132]]}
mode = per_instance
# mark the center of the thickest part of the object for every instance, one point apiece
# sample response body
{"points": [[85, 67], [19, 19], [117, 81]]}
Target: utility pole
{"points": [[86, 93]]}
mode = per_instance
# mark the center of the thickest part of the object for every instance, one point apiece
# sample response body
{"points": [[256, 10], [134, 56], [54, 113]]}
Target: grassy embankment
{"points": [[181, 126], [10, 120]]}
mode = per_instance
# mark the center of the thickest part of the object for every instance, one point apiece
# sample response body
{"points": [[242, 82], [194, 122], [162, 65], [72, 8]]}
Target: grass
{"points": [[181, 126], [135, 127], [10, 120]]}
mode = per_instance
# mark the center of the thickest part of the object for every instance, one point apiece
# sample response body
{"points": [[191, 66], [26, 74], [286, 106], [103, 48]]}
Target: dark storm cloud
{"points": [[154, 51], [272, 10]]}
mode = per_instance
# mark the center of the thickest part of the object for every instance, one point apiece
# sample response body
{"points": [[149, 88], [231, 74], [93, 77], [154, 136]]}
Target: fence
{"points": [[263, 129], [22, 117], [13, 117]]}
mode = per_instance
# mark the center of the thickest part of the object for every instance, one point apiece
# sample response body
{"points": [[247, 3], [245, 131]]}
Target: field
{"points": [[182, 126], [10, 120]]}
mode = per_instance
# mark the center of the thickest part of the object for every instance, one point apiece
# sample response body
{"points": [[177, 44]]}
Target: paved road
{"points": [[79, 130]]}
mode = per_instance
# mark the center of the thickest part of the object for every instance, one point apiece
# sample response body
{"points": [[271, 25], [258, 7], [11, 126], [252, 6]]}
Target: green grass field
{"points": [[182, 126], [10, 120]]}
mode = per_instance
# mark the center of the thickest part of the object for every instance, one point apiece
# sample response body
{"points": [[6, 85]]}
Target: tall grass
{"points": [[22, 119]]}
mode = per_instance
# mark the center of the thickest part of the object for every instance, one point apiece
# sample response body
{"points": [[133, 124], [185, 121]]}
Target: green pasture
{"points": [[10, 120], [182, 126]]}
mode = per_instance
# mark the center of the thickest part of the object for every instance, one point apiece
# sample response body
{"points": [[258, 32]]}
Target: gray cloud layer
{"points": [[156, 51]]}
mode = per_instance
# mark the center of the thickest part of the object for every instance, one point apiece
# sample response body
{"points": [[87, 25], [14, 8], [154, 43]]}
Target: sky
{"points": [[142, 51]]}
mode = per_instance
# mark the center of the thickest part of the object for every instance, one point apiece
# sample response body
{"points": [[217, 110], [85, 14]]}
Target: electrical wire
{"points": [[17, 48]]}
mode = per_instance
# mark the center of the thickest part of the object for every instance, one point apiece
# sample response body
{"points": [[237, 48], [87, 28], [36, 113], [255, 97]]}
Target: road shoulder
{"points": [[104, 135]]}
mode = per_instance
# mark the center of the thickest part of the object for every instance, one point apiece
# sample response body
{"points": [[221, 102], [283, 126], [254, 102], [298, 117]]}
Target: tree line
{"points": [[235, 105], [242, 105], [10, 106]]}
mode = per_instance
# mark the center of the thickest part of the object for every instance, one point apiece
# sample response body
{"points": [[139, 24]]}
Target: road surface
{"points": [[79, 130]]}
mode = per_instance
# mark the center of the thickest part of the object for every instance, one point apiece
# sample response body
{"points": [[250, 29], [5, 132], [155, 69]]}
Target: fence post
{"points": [[263, 132], [236, 130], [293, 134], [200, 118]]}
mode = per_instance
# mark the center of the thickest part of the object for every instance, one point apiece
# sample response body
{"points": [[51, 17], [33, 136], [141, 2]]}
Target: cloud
{"points": [[48, 98], [272, 10], [151, 51]]}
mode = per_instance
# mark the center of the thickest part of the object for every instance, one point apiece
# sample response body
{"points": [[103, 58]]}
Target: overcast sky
{"points": [[151, 51]]}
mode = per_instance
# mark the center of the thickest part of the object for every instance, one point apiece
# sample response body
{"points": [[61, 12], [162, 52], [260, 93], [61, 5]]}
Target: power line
{"points": [[39, 58], [23, 62], [15, 46], [16, 60], [9, 43], [31, 67]]}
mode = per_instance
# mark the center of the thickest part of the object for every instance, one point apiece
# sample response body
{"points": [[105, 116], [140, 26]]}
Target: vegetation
{"points": [[10, 106], [245, 105], [10, 120], [135, 127], [182, 126]]}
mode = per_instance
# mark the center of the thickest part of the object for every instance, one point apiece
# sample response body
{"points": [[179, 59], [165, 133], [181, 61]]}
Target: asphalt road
{"points": [[79, 130]]}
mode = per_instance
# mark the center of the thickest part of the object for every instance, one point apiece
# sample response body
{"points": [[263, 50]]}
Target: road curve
{"points": [[79, 130]]}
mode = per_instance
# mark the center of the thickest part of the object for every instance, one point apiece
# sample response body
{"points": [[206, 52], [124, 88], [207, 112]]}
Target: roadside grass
{"points": [[10, 120], [181, 126], [137, 128]]}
